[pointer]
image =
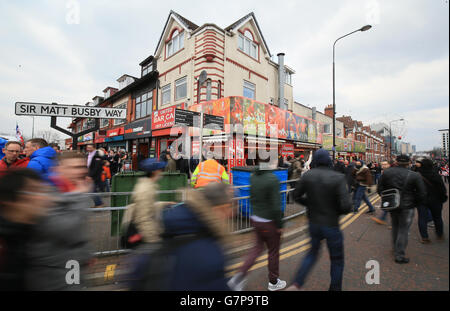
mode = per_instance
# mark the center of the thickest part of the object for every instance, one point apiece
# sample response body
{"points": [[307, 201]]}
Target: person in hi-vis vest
{"points": [[209, 171]]}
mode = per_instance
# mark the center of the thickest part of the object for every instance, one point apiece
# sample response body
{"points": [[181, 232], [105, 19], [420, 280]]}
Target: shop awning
{"points": [[264, 140], [216, 138], [166, 132]]}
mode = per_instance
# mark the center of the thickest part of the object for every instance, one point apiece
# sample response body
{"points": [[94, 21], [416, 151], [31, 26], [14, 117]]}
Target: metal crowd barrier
{"points": [[104, 225]]}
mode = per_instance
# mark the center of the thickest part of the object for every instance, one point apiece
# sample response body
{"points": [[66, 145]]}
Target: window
{"points": [[180, 88], [208, 89], [176, 44], [326, 128], [249, 90], [247, 45], [147, 69], [288, 78], [104, 123], [219, 91], [165, 94], [144, 104], [120, 121]]}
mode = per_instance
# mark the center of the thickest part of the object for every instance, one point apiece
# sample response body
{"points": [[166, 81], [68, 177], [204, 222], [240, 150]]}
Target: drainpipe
{"points": [[281, 79]]}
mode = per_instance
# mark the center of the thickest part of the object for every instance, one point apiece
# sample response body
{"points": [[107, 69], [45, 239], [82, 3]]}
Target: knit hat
{"points": [[403, 159], [322, 158], [152, 164]]}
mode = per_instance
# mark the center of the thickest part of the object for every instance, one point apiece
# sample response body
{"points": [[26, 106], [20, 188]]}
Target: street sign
{"points": [[185, 117], [213, 122], [54, 110]]}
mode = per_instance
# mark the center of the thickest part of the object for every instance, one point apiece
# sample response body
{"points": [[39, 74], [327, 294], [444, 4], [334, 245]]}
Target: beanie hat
{"points": [[322, 158], [403, 159]]}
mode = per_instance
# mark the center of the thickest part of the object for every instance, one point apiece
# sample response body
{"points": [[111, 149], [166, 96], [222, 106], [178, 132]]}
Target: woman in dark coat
{"points": [[436, 196]]}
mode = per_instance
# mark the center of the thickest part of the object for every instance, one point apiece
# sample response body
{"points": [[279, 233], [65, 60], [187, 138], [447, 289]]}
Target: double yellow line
{"points": [[299, 247]]}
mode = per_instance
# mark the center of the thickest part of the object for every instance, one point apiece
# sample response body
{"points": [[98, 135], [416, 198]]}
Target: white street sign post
{"points": [[67, 111]]}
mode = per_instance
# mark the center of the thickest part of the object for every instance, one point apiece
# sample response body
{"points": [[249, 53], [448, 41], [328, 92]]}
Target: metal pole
{"points": [[201, 136], [390, 142], [334, 113], [334, 104], [32, 132]]}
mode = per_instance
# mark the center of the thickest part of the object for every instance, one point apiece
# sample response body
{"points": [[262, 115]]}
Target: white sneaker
{"points": [[237, 282], [280, 285]]}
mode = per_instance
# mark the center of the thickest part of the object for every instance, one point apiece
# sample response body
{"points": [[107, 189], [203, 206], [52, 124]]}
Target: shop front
{"points": [[84, 140], [347, 149], [100, 142], [115, 139], [164, 131], [290, 133], [138, 134]]}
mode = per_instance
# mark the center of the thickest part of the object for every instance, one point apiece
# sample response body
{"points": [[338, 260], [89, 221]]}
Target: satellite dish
{"points": [[203, 76]]}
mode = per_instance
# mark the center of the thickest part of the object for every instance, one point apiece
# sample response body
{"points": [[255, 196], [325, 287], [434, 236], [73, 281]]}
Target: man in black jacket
{"points": [[95, 166], [327, 198], [412, 194]]}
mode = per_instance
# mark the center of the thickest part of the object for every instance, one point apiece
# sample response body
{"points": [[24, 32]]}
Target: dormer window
{"points": [[175, 44], [247, 45], [147, 69]]}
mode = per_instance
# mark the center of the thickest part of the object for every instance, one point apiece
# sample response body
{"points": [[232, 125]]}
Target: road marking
{"points": [[307, 240], [109, 272], [233, 268]]}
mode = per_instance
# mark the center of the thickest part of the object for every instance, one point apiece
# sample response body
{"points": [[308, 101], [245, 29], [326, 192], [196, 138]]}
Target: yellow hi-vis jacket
{"points": [[209, 171]]}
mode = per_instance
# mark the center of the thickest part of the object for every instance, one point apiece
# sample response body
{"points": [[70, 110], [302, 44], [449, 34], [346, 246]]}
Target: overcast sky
{"points": [[397, 69]]}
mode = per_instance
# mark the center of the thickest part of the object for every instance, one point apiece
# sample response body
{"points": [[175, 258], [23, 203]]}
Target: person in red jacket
{"points": [[106, 176], [11, 159]]}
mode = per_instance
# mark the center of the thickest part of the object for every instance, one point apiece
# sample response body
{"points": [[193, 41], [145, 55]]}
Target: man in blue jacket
{"points": [[42, 157]]}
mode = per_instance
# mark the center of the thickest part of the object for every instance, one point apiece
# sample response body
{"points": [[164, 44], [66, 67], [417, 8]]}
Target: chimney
{"points": [[313, 113], [281, 79], [329, 111]]}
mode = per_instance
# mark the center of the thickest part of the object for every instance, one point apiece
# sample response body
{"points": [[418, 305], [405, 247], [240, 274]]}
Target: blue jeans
{"points": [[97, 188], [335, 244], [377, 177], [360, 195], [436, 212], [401, 222]]}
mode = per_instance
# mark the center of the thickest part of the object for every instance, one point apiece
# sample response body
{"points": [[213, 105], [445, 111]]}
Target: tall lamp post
{"points": [[390, 137], [367, 27]]}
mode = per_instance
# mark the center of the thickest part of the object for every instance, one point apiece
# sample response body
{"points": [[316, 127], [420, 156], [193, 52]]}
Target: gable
{"points": [[249, 22], [174, 22]]}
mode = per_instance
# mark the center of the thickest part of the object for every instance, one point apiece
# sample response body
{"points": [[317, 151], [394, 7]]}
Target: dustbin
{"points": [[125, 182], [122, 182], [241, 177], [172, 181]]}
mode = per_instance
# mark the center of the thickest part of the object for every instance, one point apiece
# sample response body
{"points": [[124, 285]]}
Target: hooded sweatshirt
{"points": [[436, 191], [200, 263], [42, 160]]}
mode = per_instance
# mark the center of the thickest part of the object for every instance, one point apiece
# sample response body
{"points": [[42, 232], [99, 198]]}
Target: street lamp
{"points": [[390, 137], [365, 28]]}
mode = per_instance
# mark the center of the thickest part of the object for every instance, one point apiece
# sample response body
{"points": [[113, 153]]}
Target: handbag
{"points": [[390, 198], [131, 237]]}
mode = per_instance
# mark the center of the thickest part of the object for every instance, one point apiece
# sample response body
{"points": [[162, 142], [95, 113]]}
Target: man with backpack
{"points": [[412, 193]]}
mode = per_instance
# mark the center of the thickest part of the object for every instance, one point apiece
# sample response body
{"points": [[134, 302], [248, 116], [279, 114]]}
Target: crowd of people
{"points": [[180, 246]]}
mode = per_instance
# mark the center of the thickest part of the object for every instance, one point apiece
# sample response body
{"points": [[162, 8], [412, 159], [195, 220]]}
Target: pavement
{"points": [[367, 248], [364, 240]]}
